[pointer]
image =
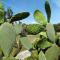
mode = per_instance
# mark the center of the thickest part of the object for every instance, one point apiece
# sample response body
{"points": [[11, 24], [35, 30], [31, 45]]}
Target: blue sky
{"points": [[31, 5]]}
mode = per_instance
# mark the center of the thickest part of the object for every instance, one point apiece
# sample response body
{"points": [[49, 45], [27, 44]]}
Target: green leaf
{"points": [[36, 43], [1, 6], [9, 58], [32, 38], [1, 13], [59, 40], [34, 54], [7, 38], [43, 34], [39, 17], [42, 56], [50, 32], [52, 53], [20, 16], [48, 10], [0, 53], [57, 27], [45, 44], [1, 16], [18, 28], [29, 58], [58, 36], [26, 43]]}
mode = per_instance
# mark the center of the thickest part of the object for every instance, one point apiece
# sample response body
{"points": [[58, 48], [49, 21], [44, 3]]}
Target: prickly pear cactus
{"points": [[51, 32], [48, 10], [52, 53], [39, 17], [19, 16], [18, 28], [7, 38], [9, 58], [26, 43], [42, 56]]}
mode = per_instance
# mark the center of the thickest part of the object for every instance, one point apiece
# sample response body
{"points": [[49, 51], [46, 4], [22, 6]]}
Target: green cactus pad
{"points": [[7, 38], [52, 53], [20, 16]]}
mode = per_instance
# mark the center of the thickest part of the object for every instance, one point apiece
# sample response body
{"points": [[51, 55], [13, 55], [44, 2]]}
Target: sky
{"points": [[31, 5]]}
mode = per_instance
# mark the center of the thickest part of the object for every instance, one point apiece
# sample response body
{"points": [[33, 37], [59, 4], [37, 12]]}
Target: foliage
{"points": [[42, 56], [39, 17], [33, 28], [26, 42], [1, 13], [9, 58], [48, 10], [7, 37], [57, 27], [19, 16], [53, 52], [50, 32], [40, 40]]}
